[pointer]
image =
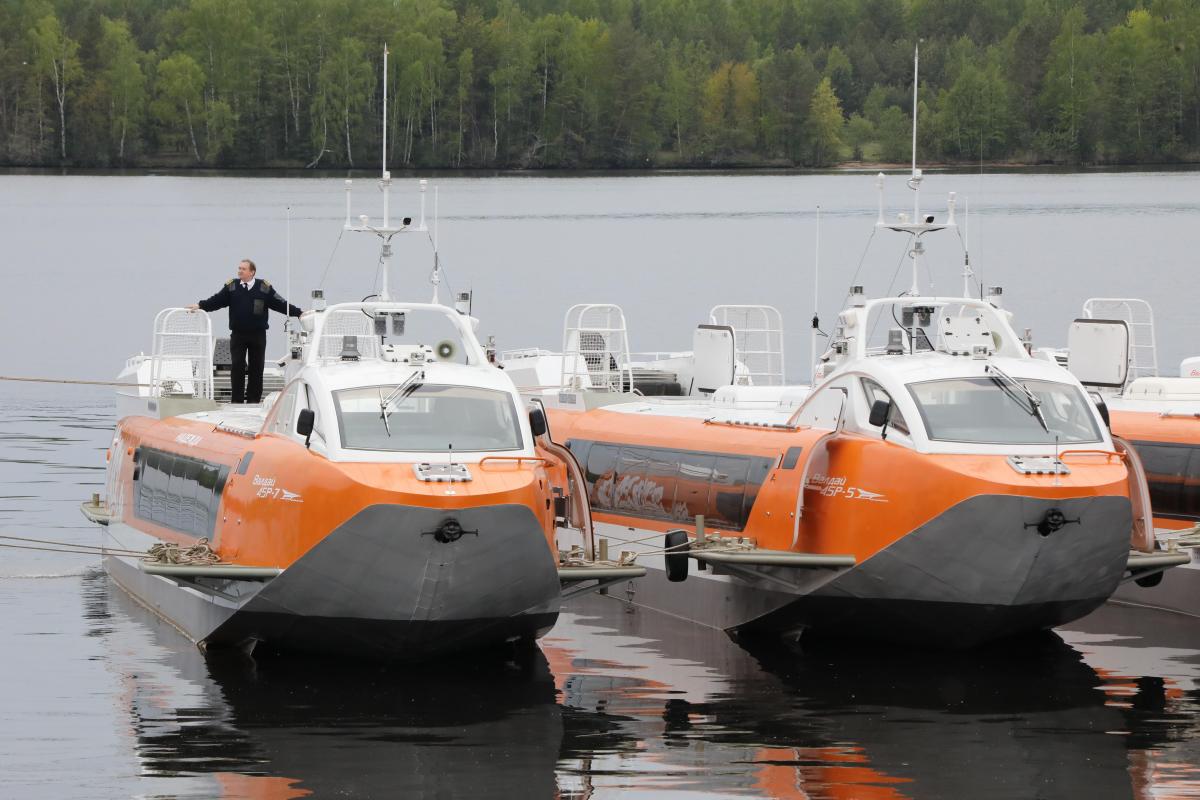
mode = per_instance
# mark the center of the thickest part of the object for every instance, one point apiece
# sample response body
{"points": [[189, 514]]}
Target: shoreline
{"points": [[851, 167]]}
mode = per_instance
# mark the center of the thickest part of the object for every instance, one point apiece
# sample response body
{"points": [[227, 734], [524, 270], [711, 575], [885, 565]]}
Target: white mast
{"points": [[286, 317], [436, 276], [816, 323], [920, 223], [385, 183], [385, 231], [914, 182], [968, 273]]}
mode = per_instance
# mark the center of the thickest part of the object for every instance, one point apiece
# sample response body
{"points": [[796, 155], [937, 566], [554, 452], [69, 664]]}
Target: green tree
{"points": [[840, 72], [511, 81], [788, 81], [56, 57], [1140, 68], [825, 122], [895, 135], [974, 116], [683, 89], [346, 81], [630, 136], [122, 81], [466, 80], [730, 106], [179, 89], [859, 131], [1069, 89]]}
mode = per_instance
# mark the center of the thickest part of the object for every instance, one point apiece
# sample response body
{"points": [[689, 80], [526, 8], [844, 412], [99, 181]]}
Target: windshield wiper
{"points": [[410, 385], [1011, 386]]}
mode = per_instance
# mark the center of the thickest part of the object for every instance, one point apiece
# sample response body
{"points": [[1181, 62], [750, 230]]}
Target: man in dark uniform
{"points": [[249, 301]]}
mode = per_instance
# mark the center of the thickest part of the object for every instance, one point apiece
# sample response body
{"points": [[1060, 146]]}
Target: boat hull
{"points": [[978, 572], [381, 585]]}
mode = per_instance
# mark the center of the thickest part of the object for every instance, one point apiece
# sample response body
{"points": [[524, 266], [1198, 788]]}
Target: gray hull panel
{"points": [[380, 585], [979, 571], [384, 584], [195, 613]]}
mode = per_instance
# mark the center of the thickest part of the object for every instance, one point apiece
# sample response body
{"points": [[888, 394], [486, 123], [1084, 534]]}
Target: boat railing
{"points": [[596, 348], [340, 324], [758, 341], [181, 360]]}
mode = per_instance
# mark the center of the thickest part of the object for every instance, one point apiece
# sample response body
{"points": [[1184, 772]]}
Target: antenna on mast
{"points": [[968, 273], [383, 159], [914, 182], [288, 261], [435, 277], [385, 231], [921, 223], [816, 321]]}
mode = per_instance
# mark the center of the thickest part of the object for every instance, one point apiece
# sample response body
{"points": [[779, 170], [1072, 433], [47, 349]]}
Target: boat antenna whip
{"points": [[435, 277], [967, 273], [387, 229], [920, 223], [914, 182], [287, 320], [816, 320]]}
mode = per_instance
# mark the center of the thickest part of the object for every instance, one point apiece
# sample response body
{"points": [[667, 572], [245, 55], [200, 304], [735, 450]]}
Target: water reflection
{"points": [[613, 703], [617, 703]]}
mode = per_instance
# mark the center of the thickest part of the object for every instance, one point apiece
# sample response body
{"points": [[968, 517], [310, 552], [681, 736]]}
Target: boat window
{"points": [[875, 392], [693, 487], [728, 491], [178, 492], [431, 418], [668, 484], [285, 411], [307, 400], [1172, 473], [987, 411]]}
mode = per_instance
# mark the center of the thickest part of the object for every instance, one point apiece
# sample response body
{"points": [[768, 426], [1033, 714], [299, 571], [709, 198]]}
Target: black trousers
{"points": [[243, 345]]}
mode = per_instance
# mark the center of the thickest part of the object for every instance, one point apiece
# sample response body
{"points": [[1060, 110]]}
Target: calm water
{"points": [[667, 248], [100, 699]]}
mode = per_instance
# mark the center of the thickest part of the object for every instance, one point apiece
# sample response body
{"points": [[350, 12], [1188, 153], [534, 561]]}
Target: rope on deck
{"points": [[169, 553], [1186, 539]]}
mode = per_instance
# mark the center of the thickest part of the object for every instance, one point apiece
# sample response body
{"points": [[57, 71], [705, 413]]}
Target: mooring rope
{"points": [[58, 550], [74, 545], [77, 381], [161, 553]]}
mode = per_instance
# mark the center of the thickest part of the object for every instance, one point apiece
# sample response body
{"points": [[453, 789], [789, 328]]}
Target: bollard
{"points": [[603, 550]]}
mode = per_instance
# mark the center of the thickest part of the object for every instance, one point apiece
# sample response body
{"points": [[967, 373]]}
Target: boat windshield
{"points": [[989, 411], [431, 418]]}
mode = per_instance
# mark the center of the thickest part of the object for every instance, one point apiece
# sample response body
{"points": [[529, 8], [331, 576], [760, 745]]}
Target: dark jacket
{"points": [[248, 309]]}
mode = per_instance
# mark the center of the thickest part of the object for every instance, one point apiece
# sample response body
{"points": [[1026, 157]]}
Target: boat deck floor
{"points": [[242, 418]]}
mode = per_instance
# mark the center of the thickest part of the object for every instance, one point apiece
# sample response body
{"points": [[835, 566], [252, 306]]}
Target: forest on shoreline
{"points": [[595, 84]]}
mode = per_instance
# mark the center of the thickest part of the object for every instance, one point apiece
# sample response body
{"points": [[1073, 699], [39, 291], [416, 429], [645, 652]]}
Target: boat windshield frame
{"points": [[360, 434], [1068, 414]]}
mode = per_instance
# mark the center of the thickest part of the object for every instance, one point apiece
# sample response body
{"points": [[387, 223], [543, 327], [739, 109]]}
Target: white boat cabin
{"points": [[384, 381]]}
